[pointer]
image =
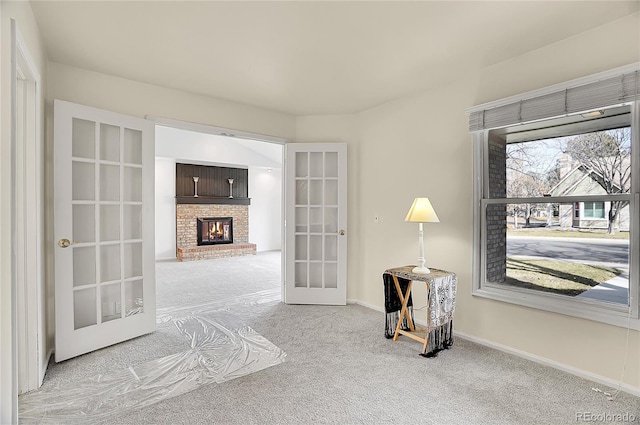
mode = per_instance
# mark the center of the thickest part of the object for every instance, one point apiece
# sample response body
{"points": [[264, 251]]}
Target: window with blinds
{"points": [[556, 197]]}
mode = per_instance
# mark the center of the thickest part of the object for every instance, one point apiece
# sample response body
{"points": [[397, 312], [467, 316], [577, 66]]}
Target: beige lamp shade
{"points": [[422, 212]]}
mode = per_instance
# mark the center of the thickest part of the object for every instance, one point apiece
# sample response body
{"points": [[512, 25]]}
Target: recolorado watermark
{"points": [[606, 417]]}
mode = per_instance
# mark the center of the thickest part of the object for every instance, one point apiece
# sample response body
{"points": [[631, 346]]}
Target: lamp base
{"points": [[421, 270]]}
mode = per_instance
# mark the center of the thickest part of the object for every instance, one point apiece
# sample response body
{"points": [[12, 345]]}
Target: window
{"points": [[594, 210], [557, 186]]}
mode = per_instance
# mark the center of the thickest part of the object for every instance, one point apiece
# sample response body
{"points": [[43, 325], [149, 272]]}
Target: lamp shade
{"points": [[422, 212]]}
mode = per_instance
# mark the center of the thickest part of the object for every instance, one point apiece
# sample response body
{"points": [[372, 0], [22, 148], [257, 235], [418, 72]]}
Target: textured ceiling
{"points": [[307, 57]]}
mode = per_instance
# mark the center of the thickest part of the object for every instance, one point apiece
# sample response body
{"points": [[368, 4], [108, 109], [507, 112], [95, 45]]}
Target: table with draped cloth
{"points": [[441, 301]]}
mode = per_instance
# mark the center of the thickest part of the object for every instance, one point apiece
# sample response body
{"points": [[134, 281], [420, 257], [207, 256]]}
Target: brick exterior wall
{"points": [[187, 231], [496, 250]]}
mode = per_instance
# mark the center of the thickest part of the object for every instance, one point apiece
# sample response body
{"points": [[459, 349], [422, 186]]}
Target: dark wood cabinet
{"points": [[213, 184]]}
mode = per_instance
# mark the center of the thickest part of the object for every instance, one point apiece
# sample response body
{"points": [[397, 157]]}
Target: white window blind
{"points": [[602, 93]]}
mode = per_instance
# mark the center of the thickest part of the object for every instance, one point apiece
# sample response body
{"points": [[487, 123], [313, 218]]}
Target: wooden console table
{"points": [[441, 293]]}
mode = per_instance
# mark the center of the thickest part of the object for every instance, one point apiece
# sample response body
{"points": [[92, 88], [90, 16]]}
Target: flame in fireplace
{"points": [[215, 231]]}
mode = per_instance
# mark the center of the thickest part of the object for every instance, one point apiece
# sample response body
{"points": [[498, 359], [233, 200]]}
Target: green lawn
{"points": [[565, 233], [559, 277]]}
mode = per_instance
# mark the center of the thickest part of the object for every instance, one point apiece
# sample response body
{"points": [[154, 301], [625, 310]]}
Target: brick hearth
{"points": [[187, 237]]}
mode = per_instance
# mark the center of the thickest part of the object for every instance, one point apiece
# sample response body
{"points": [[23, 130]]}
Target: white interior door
{"points": [[104, 228], [316, 223]]}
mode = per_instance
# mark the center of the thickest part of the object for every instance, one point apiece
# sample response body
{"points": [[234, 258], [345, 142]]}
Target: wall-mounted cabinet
{"points": [[213, 185]]}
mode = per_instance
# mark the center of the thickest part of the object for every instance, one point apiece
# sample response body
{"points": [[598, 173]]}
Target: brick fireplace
{"points": [[187, 216], [212, 194]]}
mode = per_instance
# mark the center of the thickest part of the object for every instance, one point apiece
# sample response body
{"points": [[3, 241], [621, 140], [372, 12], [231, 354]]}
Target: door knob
{"points": [[341, 232], [64, 243]]}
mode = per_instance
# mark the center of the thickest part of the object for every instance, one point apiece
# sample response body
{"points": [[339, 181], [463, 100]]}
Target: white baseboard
{"points": [[611, 383], [551, 363], [158, 259], [371, 306]]}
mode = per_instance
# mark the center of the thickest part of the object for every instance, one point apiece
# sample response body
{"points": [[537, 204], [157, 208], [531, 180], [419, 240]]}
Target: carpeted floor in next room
{"points": [[339, 367]]}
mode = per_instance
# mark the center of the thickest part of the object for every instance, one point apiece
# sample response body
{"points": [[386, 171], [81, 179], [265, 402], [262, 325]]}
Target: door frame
{"points": [[28, 218]]}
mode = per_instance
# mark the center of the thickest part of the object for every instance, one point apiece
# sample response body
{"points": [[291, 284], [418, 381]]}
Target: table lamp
{"points": [[420, 212]]}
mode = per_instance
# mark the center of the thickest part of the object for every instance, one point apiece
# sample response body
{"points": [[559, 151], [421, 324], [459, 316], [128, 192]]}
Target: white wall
{"points": [[165, 208], [265, 211], [21, 13], [419, 145]]}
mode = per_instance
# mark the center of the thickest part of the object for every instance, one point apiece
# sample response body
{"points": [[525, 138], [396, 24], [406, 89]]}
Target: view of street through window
{"points": [[577, 248]]}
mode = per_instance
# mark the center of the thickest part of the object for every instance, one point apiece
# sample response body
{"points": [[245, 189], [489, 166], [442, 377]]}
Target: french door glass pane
{"points": [[109, 142], [84, 265], [331, 192], [84, 308], [111, 304], [315, 275], [315, 247], [132, 222], [315, 219], [316, 164], [331, 248], [302, 164], [133, 297], [83, 139], [315, 192], [109, 182], [331, 275], [109, 223], [301, 219], [132, 146], [132, 184], [109, 263], [300, 275], [301, 247], [84, 223], [302, 192], [331, 164], [84, 178], [132, 259]]}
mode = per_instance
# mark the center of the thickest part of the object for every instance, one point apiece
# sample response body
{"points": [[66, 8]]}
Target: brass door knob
{"points": [[341, 232], [64, 243]]}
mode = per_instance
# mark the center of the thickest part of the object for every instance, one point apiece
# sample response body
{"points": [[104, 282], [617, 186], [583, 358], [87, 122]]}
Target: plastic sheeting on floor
{"points": [[222, 348]]}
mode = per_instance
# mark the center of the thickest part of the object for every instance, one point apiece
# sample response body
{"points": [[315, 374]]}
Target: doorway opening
{"points": [[259, 157]]}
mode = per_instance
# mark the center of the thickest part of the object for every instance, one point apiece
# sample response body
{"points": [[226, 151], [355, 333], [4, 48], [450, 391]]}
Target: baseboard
{"points": [[551, 363], [528, 356], [363, 304], [159, 259]]}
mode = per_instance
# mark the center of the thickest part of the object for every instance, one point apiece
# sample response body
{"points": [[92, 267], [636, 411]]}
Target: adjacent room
{"points": [[310, 212]]}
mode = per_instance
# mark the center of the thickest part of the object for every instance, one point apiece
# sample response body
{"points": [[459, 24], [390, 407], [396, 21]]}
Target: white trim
{"points": [[13, 340], [364, 304], [612, 314], [29, 227], [611, 73], [551, 363], [634, 214], [218, 131]]}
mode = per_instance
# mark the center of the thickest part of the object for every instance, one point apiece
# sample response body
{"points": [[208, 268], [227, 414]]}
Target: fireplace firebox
{"points": [[215, 230]]}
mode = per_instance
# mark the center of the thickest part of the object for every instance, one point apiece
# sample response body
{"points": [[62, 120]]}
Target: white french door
{"points": [[316, 223], [104, 228]]}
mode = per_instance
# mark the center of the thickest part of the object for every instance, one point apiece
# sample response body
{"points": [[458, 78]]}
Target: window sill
{"points": [[611, 314]]}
